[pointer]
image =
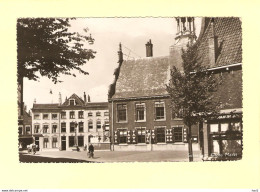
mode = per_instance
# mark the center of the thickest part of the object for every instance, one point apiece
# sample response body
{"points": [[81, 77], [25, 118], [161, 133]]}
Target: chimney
{"points": [[34, 101], [85, 98], [60, 100], [120, 55], [149, 48], [89, 98], [212, 44]]}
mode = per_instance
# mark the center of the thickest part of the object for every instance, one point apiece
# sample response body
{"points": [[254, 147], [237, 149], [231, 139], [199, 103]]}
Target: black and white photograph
{"points": [[129, 89]]}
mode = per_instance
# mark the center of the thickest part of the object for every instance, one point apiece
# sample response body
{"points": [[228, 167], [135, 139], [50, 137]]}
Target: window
{"points": [[106, 113], [81, 114], [63, 115], [80, 141], [54, 142], [45, 142], [37, 128], [140, 112], [161, 135], [213, 128], [36, 116], [98, 124], [72, 102], [45, 128], [71, 141], [106, 125], [28, 130], [90, 125], [140, 135], [122, 135], [54, 116], [72, 115], [72, 127], [81, 127], [121, 112], [90, 114], [178, 135], [98, 114], [159, 110], [63, 127], [45, 116], [20, 130], [54, 128]]}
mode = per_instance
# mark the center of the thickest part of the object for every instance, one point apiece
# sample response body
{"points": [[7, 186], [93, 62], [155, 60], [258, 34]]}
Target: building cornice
{"points": [[140, 98]]}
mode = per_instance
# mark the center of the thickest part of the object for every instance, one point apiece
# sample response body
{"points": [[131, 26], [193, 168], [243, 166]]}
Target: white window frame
{"points": [[136, 128], [54, 114], [47, 117], [117, 117], [56, 128], [155, 115], [39, 127], [39, 116], [136, 120]]}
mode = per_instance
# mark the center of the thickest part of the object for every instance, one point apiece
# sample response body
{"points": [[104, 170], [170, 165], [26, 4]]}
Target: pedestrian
{"points": [[91, 151]]}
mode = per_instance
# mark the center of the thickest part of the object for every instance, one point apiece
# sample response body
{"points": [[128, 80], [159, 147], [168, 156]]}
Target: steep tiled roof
{"points": [[143, 77], [229, 37], [45, 106], [78, 100], [97, 105]]}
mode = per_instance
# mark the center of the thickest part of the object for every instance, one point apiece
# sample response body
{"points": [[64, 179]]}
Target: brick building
{"points": [[140, 114], [75, 122], [220, 48]]}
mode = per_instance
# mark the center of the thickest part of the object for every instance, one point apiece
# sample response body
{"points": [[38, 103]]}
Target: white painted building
{"points": [[76, 122]]}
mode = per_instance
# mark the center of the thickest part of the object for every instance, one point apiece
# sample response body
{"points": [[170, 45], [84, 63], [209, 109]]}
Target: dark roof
{"points": [[97, 105], [229, 37], [143, 77], [45, 106]]}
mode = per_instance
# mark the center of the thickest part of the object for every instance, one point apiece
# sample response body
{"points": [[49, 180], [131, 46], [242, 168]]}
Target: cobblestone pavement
{"points": [[118, 156]]}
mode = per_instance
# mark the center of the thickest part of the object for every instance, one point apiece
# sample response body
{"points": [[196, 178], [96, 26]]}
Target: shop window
{"points": [[81, 114], [161, 135], [141, 135], [121, 112], [71, 141], [213, 128], [224, 127], [37, 128], [54, 128], [81, 127], [45, 128], [140, 112], [80, 141], [98, 124], [72, 127], [178, 134], [122, 135], [72, 115], [63, 115], [54, 116], [45, 116], [63, 127], [159, 110], [54, 142]]}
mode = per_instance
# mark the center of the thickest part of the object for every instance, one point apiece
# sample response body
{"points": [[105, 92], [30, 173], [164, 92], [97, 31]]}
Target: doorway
{"points": [[63, 143]]}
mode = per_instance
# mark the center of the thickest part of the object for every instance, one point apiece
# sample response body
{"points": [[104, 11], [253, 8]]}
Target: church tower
{"points": [[185, 34]]}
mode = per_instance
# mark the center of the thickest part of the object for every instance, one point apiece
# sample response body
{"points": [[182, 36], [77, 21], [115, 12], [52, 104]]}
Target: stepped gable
{"points": [[228, 32], [143, 77]]}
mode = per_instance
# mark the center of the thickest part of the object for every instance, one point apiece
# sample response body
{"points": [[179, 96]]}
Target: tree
{"points": [[45, 45], [191, 90]]}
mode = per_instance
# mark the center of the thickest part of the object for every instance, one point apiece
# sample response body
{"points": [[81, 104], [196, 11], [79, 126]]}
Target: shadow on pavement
{"points": [[39, 159]]}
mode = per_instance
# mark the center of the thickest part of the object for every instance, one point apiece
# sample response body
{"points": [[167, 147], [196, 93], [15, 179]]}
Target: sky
{"points": [[133, 33]]}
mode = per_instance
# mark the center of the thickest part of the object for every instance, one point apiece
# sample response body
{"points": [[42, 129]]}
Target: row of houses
{"points": [[138, 114]]}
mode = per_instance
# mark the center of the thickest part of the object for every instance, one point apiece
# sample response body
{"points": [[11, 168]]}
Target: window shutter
{"points": [[173, 139], [134, 136], [147, 136], [128, 137], [169, 136], [118, 136], [154, 136], [185, 135], [115, 137]]}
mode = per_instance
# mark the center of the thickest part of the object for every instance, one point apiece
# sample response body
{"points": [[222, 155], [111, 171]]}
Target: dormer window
{"points": [[72, 102]]}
